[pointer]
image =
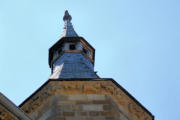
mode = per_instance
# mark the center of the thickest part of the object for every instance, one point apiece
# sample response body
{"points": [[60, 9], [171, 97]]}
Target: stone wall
{"points": [[6, 114], [9, 111], [79, 107], [85, 99]]}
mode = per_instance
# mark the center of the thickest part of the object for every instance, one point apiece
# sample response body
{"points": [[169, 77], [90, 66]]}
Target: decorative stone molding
{"points": [[6, 115], [106, 87]]}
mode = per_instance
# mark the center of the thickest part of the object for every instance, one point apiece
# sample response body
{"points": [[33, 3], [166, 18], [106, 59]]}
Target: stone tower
{"points": [[74, 91]]}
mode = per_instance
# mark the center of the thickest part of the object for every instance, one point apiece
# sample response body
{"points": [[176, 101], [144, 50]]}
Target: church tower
{"points": [[75, 92], [72, 56]]}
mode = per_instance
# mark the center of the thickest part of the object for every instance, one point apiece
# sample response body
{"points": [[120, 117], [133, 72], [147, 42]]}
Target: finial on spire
{"points": [[67, 16], [68, 27]]}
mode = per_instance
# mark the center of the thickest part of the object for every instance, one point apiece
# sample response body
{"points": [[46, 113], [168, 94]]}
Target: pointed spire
{"points": [[68, 27]]}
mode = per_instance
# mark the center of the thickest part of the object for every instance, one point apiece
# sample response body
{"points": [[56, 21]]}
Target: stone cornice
{"points": [[89, 86]]}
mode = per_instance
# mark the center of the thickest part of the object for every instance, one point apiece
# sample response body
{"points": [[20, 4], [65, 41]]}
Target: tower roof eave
{"points": [[69, 39]]}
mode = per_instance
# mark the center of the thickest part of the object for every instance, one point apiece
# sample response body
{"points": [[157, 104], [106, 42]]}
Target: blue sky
{"points": [[137, 43]]}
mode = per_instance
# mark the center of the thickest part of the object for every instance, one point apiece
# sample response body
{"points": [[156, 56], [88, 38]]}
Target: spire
{"points": [[68, 27], [72, 56]]}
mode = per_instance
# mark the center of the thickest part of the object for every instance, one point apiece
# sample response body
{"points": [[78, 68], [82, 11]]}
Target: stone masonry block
{"points": [[107, 107], [84, 102], [100, 102], [109, 118], [77, 97], [103, 113], [64, 108], [83, 113], [87, 97], [96, 97], [93, 113], [92, 107], [68, 113]]}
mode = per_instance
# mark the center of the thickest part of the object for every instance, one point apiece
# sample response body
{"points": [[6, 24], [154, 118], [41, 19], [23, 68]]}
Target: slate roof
{"points": [[73, 65]]}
